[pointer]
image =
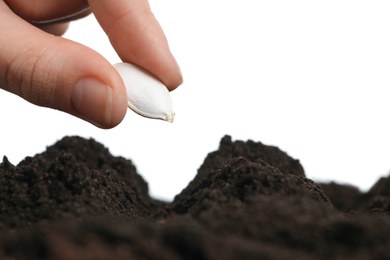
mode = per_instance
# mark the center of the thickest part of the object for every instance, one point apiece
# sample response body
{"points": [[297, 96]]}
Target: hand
{"points": [[54, 72]]}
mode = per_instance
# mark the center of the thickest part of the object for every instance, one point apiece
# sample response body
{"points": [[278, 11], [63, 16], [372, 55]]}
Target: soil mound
{"points": [[248, 200]]}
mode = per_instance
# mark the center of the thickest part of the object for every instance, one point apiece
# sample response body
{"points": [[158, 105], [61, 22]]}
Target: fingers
{"points": [[137, 37], [57, 73], [54, 72]]}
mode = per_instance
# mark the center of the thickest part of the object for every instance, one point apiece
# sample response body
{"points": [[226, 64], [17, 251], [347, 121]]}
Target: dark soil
{"points": [[248, 201]]}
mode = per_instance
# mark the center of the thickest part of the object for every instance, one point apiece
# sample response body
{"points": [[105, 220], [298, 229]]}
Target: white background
{"points": [[310, 77]]}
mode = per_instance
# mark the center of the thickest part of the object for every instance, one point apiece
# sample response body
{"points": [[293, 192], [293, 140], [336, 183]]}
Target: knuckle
{"points": [[31, 77]]}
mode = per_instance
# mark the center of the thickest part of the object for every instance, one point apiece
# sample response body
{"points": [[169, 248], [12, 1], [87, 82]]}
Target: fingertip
{"points": [[177, 79], [97, 92], [138, 38], [98, 102]]}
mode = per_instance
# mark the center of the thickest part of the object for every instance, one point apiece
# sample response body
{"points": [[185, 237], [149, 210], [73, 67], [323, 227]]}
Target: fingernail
{"points": [[93, 99], [181, 76], [179, 70]]}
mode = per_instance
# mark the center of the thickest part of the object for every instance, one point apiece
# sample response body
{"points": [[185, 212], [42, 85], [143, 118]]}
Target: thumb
{"points": [[54, 72]]}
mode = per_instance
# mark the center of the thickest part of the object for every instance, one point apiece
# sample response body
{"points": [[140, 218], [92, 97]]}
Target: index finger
{"points": [[137, 37]]}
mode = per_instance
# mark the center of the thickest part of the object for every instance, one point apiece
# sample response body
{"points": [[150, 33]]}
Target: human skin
{"points": [[48, 70]]}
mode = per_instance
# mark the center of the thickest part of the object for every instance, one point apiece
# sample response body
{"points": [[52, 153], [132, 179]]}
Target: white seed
{"points": [[146, 95]]}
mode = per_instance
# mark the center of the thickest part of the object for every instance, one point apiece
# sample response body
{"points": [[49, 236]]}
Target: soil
{"points": [[247, 201]]}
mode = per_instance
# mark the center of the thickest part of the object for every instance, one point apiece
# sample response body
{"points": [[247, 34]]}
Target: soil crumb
{"points": [[247, 201]]}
